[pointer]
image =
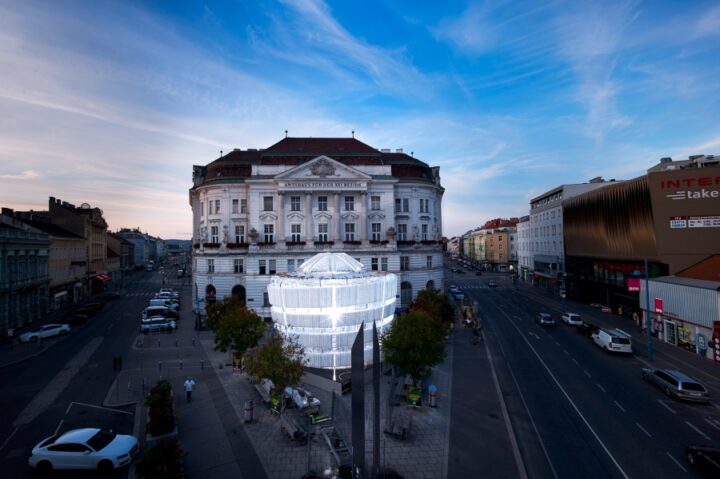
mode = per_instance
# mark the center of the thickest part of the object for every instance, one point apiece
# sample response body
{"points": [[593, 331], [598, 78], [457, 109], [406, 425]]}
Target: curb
{"points": [[137, 425], [107, 401]]}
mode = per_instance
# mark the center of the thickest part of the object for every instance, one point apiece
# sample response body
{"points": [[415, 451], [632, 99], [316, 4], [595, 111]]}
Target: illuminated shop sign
{"points": [[679, 222]]}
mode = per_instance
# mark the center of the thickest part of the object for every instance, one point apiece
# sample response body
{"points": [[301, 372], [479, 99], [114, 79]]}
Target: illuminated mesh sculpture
{"points": [[324, 302]]}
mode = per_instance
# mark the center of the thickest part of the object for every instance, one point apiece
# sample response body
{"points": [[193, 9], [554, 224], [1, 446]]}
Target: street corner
{"points": [[128, 388]]}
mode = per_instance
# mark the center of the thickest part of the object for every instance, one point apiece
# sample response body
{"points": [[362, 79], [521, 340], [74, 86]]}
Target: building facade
{"points": [[526, 263], [261, 212]]}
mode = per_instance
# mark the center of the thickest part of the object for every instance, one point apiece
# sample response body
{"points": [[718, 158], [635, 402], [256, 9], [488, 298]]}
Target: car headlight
{"points": [[124, 456]]}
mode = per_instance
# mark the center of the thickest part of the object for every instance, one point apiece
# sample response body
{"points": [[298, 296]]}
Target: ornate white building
{"points": [[261, 212]]}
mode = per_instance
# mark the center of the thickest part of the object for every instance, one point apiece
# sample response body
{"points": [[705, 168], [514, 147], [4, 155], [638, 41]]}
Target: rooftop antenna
{"points": [[353, 133], [220, 153], [285, 133], [412, 153]]}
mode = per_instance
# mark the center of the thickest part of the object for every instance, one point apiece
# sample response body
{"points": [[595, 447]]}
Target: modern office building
{"points": [[261, 212]]}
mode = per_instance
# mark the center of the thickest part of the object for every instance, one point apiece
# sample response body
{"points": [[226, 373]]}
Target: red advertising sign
{"points": [[633, 284], [658, 305]]}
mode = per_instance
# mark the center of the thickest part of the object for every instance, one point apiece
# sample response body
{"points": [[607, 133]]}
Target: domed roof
{"points": [[330, 263]]}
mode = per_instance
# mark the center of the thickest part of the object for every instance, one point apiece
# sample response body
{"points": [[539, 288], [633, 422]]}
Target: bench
{"points": [[289, 425]]}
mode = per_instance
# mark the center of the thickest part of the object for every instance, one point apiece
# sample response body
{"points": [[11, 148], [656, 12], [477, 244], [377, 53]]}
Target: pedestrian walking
{"points": [[189, 386]]}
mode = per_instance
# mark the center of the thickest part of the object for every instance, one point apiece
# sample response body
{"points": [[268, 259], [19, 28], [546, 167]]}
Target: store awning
{"points": [[103, 277]]}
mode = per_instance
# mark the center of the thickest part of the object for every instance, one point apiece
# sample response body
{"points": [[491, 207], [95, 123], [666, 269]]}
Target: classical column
{"points": [[338, 232], [309, 233], [363, 216], [281, 218]]}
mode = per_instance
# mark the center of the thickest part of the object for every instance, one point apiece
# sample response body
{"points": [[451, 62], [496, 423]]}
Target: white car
{"points": [[46, 331], [616, 341], [301, 398], [573, 319], [89, 448]]}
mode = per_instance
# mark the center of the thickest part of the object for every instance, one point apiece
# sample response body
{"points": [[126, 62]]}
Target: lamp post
{"points": [[648, 319]]}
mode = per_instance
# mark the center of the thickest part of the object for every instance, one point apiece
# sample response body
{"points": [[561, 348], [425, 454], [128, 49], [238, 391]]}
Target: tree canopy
{"points": [[236, 327], [414, 344], [279, 359], [435, 304]]}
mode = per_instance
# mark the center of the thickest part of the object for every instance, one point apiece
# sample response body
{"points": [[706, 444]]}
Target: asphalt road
{"points": [[576, 410], [64, 387]]}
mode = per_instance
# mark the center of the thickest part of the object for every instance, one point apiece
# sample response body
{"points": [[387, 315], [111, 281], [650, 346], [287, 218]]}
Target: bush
{"points": [[160, 409], [162, 461]]}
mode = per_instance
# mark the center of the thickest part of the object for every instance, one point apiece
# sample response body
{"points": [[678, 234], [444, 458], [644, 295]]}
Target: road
{"points": [[576, 410], [64, 387]]}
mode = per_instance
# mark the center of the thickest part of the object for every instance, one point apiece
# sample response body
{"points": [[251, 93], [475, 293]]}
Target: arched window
{"points": [[210, 294], [430, 285], [239, 292]]}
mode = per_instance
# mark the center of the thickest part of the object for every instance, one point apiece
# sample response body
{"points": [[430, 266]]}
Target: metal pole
{"points": [[649, 319]]}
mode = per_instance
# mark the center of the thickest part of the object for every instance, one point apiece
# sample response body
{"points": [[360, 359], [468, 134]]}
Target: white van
{"points": [[616, 341]]}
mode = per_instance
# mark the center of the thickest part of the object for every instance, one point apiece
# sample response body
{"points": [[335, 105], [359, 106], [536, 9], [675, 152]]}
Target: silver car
{"points": [[46, 331], [677, 384]]}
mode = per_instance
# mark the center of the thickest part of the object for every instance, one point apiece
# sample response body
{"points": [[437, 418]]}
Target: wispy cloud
{"points": [[25, 175]]}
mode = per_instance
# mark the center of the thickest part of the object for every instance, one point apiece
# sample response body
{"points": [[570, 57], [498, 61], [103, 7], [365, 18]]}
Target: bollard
{"points": [[248, 411], [432, 393]]}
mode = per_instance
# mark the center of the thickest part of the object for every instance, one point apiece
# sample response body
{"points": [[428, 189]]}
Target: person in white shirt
{"points": [[189, 386]]}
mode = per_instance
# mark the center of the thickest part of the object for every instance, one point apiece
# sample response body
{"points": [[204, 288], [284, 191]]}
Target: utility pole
{"points": [[649, 319]]}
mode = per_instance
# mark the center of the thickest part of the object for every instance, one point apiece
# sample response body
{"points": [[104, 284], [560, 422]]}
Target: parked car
{"points": [[41, 332], [89, 448], [572, 319], [704, 458], [616, 341], [165, 303], [168, 296], [174, 293], [301, 398], [677, 384], [492, 284], [157, 323], [151, 311], [544, 319]]}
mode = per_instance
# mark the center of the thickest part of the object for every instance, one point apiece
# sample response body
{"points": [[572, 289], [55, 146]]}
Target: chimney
{"points": [[666, 159], [385, 150], [399, 150]]}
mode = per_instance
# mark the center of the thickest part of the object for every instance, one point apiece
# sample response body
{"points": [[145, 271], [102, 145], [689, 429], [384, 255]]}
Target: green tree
{"points": [[414, 344], [278, 359], [237, 328], [435, 304]]}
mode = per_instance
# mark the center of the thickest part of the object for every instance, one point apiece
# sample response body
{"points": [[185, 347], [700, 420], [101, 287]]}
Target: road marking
{"points": [[533, 334], [96, 407], [557, 343], [566, 352], [666, 406], [676, 462], [587, 373], [8, 439], [619, 406], [59, 426], [601, 388], [643, 429], [713, 422], [576, 361], [697, 430]]}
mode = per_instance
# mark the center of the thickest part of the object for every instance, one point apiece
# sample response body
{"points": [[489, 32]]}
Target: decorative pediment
{"points": [[296, 216], [323, 216], [376, 215], [268, 216], [322, 168], [350, 216]]}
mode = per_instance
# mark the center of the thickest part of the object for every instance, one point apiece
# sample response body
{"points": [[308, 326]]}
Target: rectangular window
{"points": [[238, 266], [211, 265], [322, 203], [217, 207], [404, 263], [213, 234], [375, 203], [210, 207], [269, 233], [262, 266], [295, 233], [294, 203], [424, 230], [273, 266], [398, 205], [406, 205], [300, 262], [383, 264], [424, 205], [402, 232], [373, 264], [243, 206], [267, 203], [376, 231], [349, 203], [235, 206], [290, 265], [202, 209], [428, 262], [266, 300], [239, 233], [349, 231], [323, 232]]}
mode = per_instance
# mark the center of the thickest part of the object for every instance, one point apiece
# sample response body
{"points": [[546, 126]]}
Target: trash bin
{"points": [[248, 412], [432, 393]]}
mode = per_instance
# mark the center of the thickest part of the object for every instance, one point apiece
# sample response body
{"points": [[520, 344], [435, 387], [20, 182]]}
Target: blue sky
{"points": [[111, 103]]}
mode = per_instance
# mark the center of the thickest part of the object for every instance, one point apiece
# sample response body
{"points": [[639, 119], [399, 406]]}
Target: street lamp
{"points": [[648, 319]]}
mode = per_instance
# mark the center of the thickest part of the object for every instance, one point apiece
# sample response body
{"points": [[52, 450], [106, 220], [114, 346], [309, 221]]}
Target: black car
{"points": [[478, 273], [586, 329], [705, 459]]}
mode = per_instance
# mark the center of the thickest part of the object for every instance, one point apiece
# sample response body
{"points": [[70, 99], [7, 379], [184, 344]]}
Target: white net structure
{"points": [[324, 303]]}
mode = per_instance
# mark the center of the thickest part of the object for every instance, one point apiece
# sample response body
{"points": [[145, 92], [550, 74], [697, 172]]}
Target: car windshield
{"points": [[101, 439], [621, 340], [692, 387]]}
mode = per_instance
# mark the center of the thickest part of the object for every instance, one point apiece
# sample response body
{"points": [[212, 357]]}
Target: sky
{"points": [[111, 103]]}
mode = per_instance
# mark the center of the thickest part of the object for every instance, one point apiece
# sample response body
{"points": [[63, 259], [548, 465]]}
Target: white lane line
{"points": [[576, 361], [566, 352], [601, 388], [676, 462], [619, 406], [587, 373], [68, 408], [557, 343], [643, 429], [8, 439], [98, 407], [59, 426], [697, 430], [666, 407], [713, 423], [533, 334]]}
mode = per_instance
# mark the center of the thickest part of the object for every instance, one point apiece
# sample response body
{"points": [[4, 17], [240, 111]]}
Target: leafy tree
{"points": [[435, 304], [238, 328], [414, 344], [278, 359]]}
